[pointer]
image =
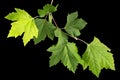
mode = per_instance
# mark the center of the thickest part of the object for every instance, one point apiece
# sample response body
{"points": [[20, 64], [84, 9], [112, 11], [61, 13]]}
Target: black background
{"points": [[32, 61]]}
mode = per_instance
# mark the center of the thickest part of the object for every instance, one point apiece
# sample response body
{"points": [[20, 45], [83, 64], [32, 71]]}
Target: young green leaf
{"points": [[46, 29], [23, 23], [65, 52], [74, 25], [50, 17], [48, 8], [98, 56]]}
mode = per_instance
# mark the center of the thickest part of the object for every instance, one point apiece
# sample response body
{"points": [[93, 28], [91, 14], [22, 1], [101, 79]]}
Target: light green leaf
{"points": [[65, 52], [46, 29], [48, 8], [98, 56], [23, 23], [74, 25]]}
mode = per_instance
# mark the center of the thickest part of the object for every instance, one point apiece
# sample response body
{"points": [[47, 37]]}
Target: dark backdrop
{"points": [[32, 61]]}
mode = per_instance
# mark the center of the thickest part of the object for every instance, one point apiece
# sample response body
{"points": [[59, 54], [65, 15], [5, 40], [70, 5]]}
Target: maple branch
{"points": [[67, 33]]}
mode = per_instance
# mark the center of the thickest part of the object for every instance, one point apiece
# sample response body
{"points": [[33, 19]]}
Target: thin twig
{"points": [[36, 17], [51, 2], [77, 38], [81, 40], [52, 16], [55, 22]]}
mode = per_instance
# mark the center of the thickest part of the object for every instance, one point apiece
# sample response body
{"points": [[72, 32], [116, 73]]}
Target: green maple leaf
{"points": [[98, 56], [23, 23], [46, 29], [48, 8], [74, 24], [65, 52]]}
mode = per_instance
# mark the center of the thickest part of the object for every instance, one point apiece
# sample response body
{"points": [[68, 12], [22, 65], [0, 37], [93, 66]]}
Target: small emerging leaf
{"points": [[98, 56], [48, 8], [50, 17], [23, 23]]}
